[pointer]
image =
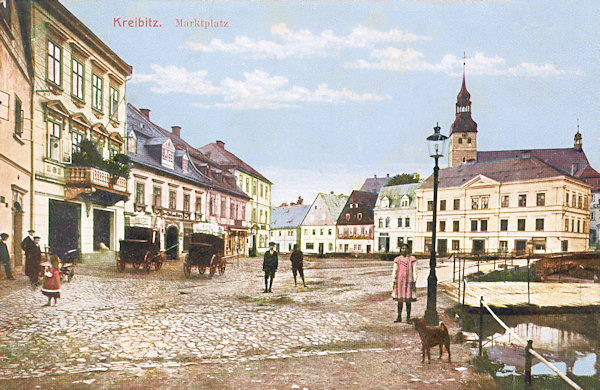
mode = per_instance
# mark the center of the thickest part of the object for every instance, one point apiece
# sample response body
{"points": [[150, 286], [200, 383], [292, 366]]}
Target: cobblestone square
{"points": [[160, 330]]}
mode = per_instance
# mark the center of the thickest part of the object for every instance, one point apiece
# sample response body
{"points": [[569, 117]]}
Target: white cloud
{"points": [[400, 60], [303, 43], [258, 89]]}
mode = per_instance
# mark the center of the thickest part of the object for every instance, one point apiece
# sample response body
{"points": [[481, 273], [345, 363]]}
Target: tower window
{"points": [[469, 140], [460, 140]]}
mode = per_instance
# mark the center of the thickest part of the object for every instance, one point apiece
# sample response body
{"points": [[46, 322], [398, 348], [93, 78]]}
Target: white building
{"points": [[395, 212], [285, 226], [318, 227]]}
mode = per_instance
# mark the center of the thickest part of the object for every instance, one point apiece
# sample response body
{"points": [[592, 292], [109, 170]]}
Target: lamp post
{"points": [[436, 143], [253, 231]]}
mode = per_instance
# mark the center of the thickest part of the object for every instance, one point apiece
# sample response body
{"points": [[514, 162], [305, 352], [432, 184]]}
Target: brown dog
{"points": [[432, 336]]}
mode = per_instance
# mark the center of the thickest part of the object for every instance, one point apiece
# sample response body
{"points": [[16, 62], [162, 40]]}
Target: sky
{"points": [[319, 95]]}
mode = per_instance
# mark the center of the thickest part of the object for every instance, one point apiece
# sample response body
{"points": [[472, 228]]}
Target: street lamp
{"points": [[436, 143], [253, 231]]}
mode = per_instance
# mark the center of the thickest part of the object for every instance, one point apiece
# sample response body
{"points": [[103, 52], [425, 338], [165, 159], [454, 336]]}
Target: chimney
{"points": [[176, 130], [221, 144], [388, 175], [375, 176], [145, 112]]}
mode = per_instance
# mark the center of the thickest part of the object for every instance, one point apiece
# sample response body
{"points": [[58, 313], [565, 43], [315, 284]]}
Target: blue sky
{"points": [[317, 96]]}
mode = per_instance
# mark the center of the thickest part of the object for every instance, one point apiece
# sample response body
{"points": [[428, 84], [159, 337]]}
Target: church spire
{"points": [[463, 122]]}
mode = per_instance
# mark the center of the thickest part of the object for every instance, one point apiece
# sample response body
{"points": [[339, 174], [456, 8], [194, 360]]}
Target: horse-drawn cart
{"points": [[140, 248], [206, 251]]}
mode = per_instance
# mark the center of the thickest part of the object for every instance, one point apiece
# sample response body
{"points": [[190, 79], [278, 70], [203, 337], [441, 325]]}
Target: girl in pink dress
{"points": [[51, 285], [404, 288]]}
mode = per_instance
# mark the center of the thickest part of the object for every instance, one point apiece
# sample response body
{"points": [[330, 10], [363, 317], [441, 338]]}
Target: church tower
{"points": [[577, 144], [463, 133]]}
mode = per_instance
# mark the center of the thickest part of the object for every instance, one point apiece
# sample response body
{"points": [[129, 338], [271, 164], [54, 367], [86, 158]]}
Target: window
{"points": [[455, 245], [578, 225], [586, 203], [504, 201], [539, 224], [567, 199], [455, 226], [54, 133], [473, 225], [261, 191], [573, 200], [565, 245], [77, 79], [253, 187], [19, 117], [400, 222], [211, 208], [572, 225], [387, 222], [198, 205], [247, 185], [430, 205], [96, 92], [567, 225], [54, 63], [540, 199], [330, 232], [232, 213], [474, 203], [503, 246], [469, 140], [321, 232], [140, 193], [186, 202], [429, 226], [580, 201], [522, 200], [460, 140], [399, 242], [359, 216], [407, 222], [76, 139], [224, 209], [442, 226], [113, 103], [521, 224], [504, 225], [310, 245], [172, 199], [456, 204], [483, 225], [156, 196], [347, 216], [485, 200], [380, 222], [442, 205], [184, 164], [314, 232]]}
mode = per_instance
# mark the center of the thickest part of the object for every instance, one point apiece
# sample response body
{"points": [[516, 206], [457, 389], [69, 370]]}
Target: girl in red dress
{"points": [[51, 286]]}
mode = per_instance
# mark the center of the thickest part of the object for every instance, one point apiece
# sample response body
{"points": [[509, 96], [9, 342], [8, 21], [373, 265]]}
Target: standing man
{"points": [[33, 261], [4, 256], [296, 258], [270, 266], [28, 247]]}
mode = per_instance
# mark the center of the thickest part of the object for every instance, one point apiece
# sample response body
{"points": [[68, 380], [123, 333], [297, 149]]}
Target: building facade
{"points": [[286, 226], [355, 225], [394, 213], [177, 193], [15, 126], [79, 94], [319, 226], [254, 185], [500, 206]]}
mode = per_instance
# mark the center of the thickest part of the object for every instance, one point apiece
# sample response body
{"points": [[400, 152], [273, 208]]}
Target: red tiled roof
{"points": [[463, 123], [568, 160], [218, 153], [374, 184], [591, 177], [503, 171]]}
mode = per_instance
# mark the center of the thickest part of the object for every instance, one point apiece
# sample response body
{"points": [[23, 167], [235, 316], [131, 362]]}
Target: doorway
{"points": [[63, 226], [478, 246], [17, 233], [321, 248], [442, 246], [102, 229], [172, 242]]}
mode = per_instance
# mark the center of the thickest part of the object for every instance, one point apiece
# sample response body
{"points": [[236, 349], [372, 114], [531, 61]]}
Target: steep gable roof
{"points": [[217, 152], [568, 160], [396, 194], [374, 184]]}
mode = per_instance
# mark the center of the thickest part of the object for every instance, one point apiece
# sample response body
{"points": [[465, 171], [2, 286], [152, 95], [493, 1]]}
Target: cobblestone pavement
{"points": [[133, 322]]}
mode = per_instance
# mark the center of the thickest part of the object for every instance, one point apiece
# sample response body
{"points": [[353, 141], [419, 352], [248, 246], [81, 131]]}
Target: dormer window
{"points": [[404, 201], [132, 143], [385, 202], [168, 154], [184, 164]]}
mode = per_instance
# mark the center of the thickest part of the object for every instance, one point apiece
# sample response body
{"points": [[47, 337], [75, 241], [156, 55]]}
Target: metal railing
{"points": [[528, 345]]}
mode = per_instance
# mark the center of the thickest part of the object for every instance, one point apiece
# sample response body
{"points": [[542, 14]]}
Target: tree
{"points": [[404, 178]]}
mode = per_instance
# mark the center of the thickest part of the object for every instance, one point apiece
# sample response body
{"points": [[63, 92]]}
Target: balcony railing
{"points": [[96, 184]]}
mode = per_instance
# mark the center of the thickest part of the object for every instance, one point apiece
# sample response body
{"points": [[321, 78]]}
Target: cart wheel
{"points": [[201, 269], [222, 267], [147, 262], [187, 268], [136, 265], [120, 264], [158, 261]]}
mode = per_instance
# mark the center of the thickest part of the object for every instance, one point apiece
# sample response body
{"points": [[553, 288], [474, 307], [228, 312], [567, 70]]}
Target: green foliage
{"points": [[484, 364], [89, 156], [404, 178], [513, 275]]}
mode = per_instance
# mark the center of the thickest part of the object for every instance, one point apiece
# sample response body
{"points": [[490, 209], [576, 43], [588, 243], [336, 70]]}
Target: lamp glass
{"points": [[436, 143]]}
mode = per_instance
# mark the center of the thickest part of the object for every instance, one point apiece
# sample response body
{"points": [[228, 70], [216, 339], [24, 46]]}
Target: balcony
{"points": [[95, 185]]}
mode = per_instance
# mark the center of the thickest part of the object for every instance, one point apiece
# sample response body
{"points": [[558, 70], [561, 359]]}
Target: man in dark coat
{"points": [[32, 262], [270, 266], [297, 267], [5, 257], [28, 247]]}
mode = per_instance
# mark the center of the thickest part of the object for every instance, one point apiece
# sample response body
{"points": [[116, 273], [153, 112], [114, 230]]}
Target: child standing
{"points": [[51, 286]]}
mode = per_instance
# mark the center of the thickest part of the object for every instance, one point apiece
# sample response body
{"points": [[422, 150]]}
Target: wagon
{"points": [[206, 251], [140, 248]]}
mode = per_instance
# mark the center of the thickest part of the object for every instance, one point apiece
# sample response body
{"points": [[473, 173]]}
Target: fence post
{"points": [[464, 288], [453, 268], [528, 358], [481, 326], [528, 297]]}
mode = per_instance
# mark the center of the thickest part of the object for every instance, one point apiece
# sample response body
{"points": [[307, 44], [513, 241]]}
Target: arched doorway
{"points": [[172, 243], [17, 232]]}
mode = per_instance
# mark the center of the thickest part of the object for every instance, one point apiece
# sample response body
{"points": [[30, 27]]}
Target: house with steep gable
{"points": [[356, 223], [319, 226], [286, 226], [395, 212]]}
